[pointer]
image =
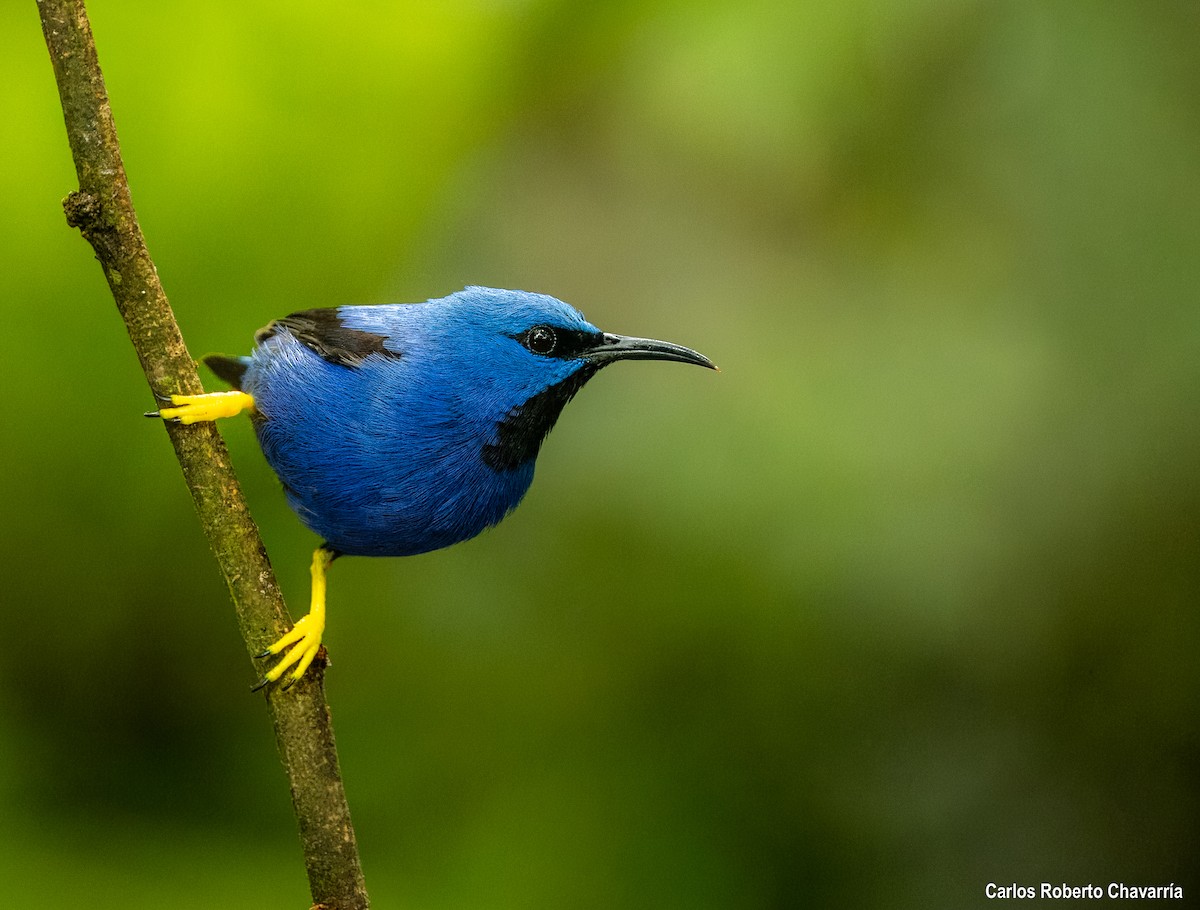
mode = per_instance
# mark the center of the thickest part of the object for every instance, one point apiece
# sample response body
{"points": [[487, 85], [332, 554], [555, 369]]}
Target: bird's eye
{"points": [[541, 339]]}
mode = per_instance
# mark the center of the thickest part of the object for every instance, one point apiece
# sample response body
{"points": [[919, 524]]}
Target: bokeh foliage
{"points": [[902, 602]]}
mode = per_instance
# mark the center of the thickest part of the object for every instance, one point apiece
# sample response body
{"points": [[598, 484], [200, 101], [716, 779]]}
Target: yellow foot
{"points": [[195, 408], [303, 641]]}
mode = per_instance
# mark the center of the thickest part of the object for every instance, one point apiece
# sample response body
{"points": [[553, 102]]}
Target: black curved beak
{"points": [[626, 347]]}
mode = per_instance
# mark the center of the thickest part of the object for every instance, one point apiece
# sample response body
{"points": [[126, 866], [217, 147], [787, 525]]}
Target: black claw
{"points": [[262, 682], [266, 653], [166, 399], [152, 414]]}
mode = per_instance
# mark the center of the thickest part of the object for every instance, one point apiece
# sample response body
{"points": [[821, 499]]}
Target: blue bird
{"points": [[404, 428]]}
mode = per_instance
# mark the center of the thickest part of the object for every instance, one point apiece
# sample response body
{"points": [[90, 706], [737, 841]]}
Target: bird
{"points": [[398, 429]]}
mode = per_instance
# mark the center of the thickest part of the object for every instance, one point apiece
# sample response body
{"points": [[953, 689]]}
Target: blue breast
{"points": [[386, 458]]}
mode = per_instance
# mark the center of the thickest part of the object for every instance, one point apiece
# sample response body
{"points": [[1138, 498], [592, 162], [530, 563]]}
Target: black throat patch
{"points": [[521, 433], [323, 332]]}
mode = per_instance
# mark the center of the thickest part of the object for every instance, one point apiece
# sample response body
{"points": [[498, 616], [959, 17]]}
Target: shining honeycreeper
{"points": [[403, 428]]}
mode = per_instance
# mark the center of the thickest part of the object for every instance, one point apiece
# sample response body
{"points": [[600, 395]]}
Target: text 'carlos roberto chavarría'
{"points": [[1062, 891]]}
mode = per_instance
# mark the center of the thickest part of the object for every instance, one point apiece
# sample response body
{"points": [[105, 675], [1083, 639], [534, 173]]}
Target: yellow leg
{"points": [[195, 408], [304, 639]]}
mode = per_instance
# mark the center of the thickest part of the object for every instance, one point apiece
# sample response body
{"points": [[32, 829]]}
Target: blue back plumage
{"points": [[404, 428]]}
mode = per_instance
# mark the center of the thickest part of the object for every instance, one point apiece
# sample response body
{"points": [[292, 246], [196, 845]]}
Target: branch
{"points": [[102, 209]]}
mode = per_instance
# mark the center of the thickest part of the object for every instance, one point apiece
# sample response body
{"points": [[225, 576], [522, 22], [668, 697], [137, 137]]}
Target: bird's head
{"points": [[522, 356]]}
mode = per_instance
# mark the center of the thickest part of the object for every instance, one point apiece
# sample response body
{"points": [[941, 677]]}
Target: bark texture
{"points": [[102, 210]]}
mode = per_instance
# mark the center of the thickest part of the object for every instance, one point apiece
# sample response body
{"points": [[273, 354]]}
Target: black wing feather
{"points": [[228, 369], [323, 332]]}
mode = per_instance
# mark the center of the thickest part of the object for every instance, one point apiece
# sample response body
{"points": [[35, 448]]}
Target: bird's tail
{"points": [[229, 369]]}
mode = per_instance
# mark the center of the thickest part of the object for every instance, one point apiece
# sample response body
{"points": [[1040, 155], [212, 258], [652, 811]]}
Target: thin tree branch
{"points": [[103, 211]]}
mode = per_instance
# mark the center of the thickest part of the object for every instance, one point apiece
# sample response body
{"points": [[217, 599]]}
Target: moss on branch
{"points": [[102, 210]]}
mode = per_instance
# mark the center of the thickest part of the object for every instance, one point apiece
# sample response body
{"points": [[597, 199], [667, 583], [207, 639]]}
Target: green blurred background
{"points": [[901, 603]]}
